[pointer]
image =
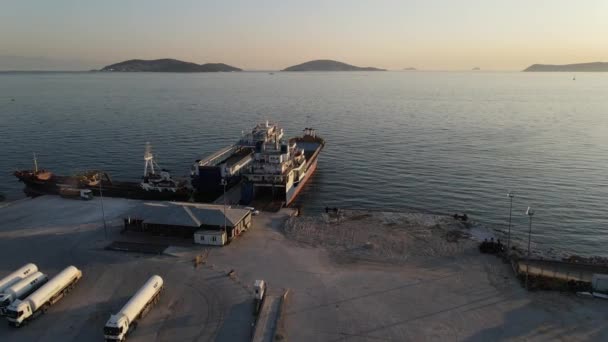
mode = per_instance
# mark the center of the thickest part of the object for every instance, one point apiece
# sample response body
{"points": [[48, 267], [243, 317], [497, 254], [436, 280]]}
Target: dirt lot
{"points": [[412, 284]]}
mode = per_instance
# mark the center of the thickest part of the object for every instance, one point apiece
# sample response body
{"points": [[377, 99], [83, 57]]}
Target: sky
{"points": [[274, 34]]}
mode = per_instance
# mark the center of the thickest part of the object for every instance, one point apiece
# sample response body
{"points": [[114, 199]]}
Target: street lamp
{"points": [[224, 183], [103, 214], [510, 195], [530, 213]]}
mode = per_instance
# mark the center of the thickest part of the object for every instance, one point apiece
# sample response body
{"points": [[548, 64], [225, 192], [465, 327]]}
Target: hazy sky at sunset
{"points": [[273, 34]]}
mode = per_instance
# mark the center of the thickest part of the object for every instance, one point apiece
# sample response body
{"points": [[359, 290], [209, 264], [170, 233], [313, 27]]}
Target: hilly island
{"points": [[580, 67], [328, 65], [167, 65]]}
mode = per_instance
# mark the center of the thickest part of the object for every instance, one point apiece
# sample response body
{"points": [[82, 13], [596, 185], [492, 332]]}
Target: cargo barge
{"points": [[156, 183]]}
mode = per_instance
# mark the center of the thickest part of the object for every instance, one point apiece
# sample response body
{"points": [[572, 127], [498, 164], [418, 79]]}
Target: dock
{"points": [[558, 275]]}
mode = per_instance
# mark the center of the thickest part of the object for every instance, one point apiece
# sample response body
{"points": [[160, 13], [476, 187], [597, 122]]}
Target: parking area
{"points": [[198, 304]]}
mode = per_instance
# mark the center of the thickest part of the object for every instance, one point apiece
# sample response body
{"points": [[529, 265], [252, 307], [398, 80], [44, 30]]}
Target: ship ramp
{"points": [[219, 156]]}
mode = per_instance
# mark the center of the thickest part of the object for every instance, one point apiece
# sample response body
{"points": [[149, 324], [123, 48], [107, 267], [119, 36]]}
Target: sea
{"points": [[431, 142]]}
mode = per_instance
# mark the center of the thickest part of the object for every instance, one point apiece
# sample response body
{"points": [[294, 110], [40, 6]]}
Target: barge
{"points": [[156, 183]]}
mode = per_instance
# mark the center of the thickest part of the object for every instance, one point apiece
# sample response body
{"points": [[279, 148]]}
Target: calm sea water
{"points": [[418, 141]]}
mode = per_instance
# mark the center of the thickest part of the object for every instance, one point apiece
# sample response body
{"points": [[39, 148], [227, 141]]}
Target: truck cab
{"points": [[5, 301], [116, 328], [260, 288], [86, 194], [18, 312], [20, 289]]}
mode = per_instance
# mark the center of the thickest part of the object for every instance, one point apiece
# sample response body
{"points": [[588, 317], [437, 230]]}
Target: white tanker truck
{"points": [[16, 276], [21, 289], [21, 311], [119, 325]]}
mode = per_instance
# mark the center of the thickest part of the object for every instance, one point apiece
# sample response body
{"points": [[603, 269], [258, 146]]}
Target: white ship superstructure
{"points": [[279, 165]]}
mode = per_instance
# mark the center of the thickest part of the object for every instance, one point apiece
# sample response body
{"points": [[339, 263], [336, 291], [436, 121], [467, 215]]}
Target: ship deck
{"points": [[237, 157]]}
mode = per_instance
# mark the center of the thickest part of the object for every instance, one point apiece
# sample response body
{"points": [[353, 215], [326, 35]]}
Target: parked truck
{"points": [[16, 276], [22, 311], [120, 324], [260, 291], [21, 289]]}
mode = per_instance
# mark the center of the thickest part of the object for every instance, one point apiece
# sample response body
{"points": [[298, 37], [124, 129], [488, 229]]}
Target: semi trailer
{"points": [[120, 324], [21, 289], [16, 276], [22, 311]]}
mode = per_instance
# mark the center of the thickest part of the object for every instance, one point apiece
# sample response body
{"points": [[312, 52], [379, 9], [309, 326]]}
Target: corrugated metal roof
{"points": [[167, 213]]}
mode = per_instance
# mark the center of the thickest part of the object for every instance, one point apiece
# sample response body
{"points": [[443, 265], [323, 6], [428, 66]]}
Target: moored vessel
{"points": [[280, 167], [156, 183]]}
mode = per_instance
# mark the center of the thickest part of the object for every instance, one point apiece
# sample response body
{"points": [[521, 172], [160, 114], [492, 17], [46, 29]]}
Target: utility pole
{"points": [[225, 219], [510, 195], [529, 212]]}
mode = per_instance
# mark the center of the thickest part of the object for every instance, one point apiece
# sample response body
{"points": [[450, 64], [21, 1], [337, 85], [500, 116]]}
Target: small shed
{"points": [[210, 237]]}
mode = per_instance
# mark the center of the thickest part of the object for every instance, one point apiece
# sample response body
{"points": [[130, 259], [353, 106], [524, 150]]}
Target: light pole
{"points": [[103, 213], [224, 184], [530, 213], [510, 195]]}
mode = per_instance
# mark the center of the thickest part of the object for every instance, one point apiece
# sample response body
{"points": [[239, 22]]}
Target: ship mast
{"points": [[35, 163], [149, 158]]}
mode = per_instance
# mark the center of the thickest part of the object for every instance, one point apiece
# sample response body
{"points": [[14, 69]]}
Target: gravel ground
{"points": [[383, 236]]}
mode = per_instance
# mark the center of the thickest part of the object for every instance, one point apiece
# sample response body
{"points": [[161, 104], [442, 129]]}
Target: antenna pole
{"points": [[35, 163]]}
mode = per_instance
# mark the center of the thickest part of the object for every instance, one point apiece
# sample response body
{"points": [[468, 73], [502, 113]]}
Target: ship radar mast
{"points": [[149, 158]]}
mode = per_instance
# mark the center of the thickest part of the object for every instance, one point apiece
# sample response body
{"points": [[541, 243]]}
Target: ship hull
{"points": [[292, 193], [115, 189]]}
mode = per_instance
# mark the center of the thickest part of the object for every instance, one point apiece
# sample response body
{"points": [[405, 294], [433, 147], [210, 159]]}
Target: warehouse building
{"points": [[204, 223]]}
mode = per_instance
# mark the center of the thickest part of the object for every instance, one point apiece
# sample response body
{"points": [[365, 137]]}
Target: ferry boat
{"points": [[280, 167]]}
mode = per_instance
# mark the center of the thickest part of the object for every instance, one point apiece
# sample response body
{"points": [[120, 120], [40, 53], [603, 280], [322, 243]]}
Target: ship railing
{"points": [[213, 159]]}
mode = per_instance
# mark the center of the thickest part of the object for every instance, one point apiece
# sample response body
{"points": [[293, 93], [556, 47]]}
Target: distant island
{"points": [[476, 69], [328, 65], [167, 65], [580, 67], [410, 69]]}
